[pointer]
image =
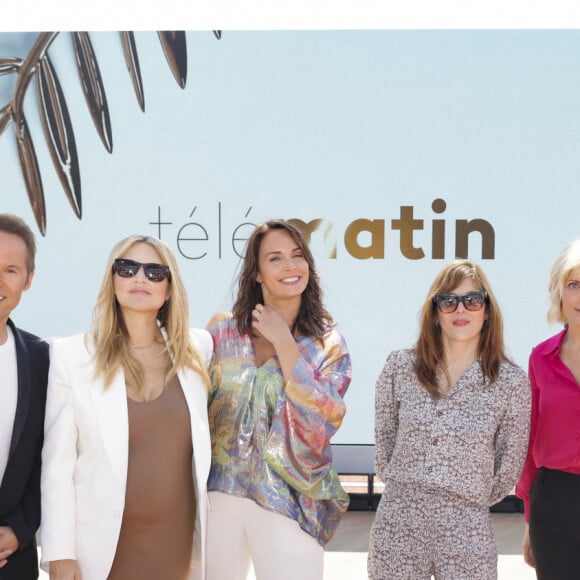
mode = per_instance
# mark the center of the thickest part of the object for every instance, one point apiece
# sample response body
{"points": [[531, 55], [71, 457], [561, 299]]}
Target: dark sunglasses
{"points": [[129, 268], [448, 303]]}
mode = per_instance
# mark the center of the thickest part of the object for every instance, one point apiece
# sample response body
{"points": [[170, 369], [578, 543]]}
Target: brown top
{"points": [[158, 520]]}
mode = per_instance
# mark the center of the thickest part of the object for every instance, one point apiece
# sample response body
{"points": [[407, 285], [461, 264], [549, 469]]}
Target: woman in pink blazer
{"points": [[126, 449]]}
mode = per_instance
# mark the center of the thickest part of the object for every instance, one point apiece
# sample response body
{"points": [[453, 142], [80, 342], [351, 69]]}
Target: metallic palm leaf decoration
{"points": [[132, 60], [93, 87], [173, 44], [59, 133], [56, 121]]}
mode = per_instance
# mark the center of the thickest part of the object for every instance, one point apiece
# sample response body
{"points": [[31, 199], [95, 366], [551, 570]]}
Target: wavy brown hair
{"points": [[313, 319], [109, 333], [429, 354]]}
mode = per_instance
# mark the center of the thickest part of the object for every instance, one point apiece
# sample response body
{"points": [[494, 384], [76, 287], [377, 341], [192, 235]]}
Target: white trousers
{"points": [[239, 530]]}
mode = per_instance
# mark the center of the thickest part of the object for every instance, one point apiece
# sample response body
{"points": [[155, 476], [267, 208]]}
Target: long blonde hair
{"points": [[109, 332]]}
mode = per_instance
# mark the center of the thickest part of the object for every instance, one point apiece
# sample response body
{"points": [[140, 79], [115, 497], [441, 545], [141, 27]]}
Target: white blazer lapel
{"points": [[113, 420], [196, 396]]}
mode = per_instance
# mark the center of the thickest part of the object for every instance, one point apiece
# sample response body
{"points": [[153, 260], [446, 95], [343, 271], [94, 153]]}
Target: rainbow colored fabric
{"points": [[270, 440]]}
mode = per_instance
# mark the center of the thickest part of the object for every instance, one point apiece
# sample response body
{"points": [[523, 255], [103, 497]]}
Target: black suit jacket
{"points": [[20, 487]]}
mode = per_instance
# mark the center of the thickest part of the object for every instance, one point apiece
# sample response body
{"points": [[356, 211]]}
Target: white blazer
{"points": [[85, 457]]}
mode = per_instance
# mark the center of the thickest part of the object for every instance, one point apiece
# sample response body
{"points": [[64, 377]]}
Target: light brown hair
{"points": [[11, 224], [429, 353]]}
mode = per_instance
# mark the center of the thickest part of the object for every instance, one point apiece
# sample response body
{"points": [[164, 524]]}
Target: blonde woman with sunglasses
{"points": [[451, 426], [127, 451]]}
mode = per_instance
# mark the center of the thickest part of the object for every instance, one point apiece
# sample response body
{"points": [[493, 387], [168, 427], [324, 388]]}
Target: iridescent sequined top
{"points": [[270, 440]]}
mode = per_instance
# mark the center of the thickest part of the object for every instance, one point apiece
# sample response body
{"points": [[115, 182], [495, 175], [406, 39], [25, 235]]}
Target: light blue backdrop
{"points": [[336, 125]]}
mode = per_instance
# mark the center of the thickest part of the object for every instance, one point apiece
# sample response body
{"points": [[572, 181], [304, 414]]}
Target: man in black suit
{"points": [[23, 377]]}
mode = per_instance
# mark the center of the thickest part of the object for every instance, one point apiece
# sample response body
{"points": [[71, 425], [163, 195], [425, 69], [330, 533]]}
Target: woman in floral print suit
{"points": [[451, 425]]}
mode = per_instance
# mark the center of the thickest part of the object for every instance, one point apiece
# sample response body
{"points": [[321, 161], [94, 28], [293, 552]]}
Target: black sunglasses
{"points": [[448, 303], [129, 268]]}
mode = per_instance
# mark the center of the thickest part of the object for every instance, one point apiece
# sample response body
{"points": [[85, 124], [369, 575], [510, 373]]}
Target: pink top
{"points": [[555, 427]]}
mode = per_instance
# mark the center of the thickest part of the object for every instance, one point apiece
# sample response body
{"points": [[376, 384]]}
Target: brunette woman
{"points": [[278, 377], [451, 429]]}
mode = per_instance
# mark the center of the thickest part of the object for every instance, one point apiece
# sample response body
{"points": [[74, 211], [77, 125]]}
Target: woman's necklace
{"points": [[144, 346]]}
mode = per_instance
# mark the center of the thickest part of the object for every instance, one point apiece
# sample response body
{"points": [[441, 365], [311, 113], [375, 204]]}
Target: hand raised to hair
{"points": [[275, 329], [270, 324]]}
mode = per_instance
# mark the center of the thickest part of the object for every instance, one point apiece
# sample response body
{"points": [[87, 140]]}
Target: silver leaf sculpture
{"points": [[31, 173], [173, 44], [132, 60], [59, 133], [56, 120], [93, 87]]}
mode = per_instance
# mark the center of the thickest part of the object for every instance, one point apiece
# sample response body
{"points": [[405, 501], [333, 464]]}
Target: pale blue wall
{"points": [[334, 125]]}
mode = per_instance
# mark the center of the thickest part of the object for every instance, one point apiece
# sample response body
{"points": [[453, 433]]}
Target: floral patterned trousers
{"points": [[420, 532]]}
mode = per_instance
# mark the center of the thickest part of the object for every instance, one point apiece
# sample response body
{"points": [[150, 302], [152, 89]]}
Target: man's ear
{"points": [[29, 281]]}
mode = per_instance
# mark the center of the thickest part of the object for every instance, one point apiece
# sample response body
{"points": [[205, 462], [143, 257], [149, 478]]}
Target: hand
{"points": [[64, 570], [527, 548], [270, 324], [8, 544]]}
